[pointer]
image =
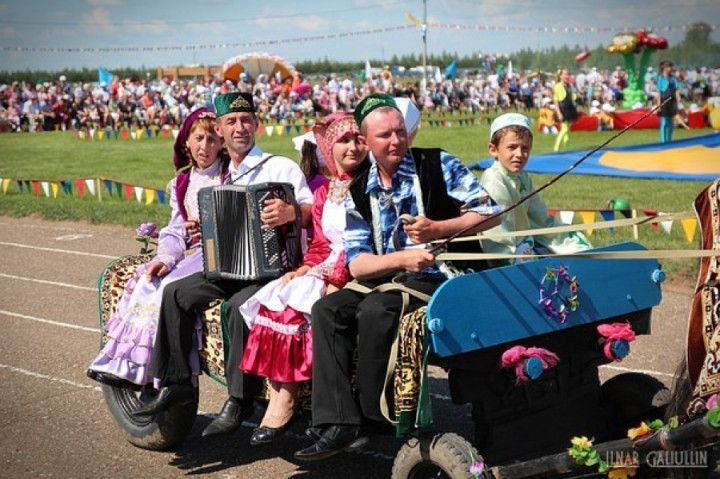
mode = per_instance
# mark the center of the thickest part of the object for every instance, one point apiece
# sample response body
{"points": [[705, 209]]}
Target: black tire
{"points": [[441, 456], [157, 433], [631, 398]]}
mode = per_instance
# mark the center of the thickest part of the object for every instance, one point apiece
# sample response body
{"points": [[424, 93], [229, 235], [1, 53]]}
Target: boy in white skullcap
{"points": [[507, 181]]}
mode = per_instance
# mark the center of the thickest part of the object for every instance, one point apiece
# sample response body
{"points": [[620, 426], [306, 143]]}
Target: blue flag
{"points": [[161, 196], [451, 71], [104, 76]]}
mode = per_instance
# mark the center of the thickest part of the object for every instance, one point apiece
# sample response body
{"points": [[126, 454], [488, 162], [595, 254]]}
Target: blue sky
{"points": [[117, 23]]}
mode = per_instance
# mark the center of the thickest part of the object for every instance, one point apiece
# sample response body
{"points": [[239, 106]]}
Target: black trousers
{"points": [[341, 322], [182, 301]]}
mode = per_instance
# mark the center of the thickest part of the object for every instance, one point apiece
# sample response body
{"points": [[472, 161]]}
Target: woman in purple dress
{"points": [[131, 330]]}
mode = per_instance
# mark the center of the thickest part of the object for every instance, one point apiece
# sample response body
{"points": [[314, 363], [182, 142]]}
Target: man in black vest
{"points": [[444, 197]]}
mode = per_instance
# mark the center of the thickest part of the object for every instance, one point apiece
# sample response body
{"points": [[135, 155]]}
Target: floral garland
{"points": [[551, 296]]}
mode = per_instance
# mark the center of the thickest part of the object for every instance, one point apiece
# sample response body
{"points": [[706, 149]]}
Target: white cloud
{"points": [[98, 20], [308, 23], [150, 27]]}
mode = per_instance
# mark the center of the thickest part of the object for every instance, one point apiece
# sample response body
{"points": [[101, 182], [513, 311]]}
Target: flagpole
{"points": [[424, 38]]}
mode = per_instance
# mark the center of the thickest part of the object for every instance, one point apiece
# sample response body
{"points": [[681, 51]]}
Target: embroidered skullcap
{"points": [[372, 102], [330, 130], [509, 119], [181, 158], [410, 113], [234, 102]]}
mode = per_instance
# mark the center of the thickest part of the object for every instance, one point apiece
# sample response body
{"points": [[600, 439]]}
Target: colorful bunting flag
{"points": [[20, 185], [655, 226], [666, 225], [269, 130], [123, 134], [128, 191], [27, 185], [138, 193], [5, 184], [118, 189], [166, 133], [175, 133], [161, 197], [307, 128], [92, 134], [46, 188], [689, 226], [80, 187], [108, 186], [608, 215], [149, 195], [66, 186], [566, 217], [36, 187], [278, 130], [55, 187], [587, 217], [133, 135], [101, 135], [90, 186]]}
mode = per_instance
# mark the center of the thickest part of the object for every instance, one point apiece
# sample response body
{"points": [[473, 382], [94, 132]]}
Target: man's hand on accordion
{"points": [[276, 212]]}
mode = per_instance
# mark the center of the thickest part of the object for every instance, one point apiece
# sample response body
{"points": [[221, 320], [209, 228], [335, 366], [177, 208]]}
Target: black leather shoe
{"points": [[334, 439], [175, 394], [233, 413], [110, 380], [267, 434], [314, 432]]}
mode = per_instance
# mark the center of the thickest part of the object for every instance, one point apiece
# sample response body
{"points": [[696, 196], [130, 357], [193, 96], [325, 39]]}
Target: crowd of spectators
{"points": [[135, 103]]}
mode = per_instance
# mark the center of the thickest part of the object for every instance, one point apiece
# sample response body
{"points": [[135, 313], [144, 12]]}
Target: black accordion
{"points": [[235, 246]]}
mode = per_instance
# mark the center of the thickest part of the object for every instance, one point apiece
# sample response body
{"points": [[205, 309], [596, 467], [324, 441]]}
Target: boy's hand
{"points": [[192, 226], [421, 230], [276, 212], [416, 260]]}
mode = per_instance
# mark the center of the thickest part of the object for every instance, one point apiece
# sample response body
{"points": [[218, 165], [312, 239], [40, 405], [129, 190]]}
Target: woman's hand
{"points": [[192, 227], [156, 269], [301, 271]]}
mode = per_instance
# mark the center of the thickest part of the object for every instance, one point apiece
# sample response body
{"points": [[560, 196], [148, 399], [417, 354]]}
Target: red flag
{"points": [[166, 133], [128, 191], [307, 128], [655, 226], [552, 212], [124, 134], [36, 187], [80, 187]]}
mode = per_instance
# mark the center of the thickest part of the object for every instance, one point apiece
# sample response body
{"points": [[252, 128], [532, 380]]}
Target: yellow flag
{"points": [[149, 195], [5, 184], [55, 187], [689, 226], [279, 130], [587, 218], [101, 134]]}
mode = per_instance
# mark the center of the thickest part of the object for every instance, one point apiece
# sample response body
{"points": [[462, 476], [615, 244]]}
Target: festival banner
{"points": [[133, 135], [149, 195], [118, 189], [66, 186], [101, 135], [587, 217], [279, 130], [92, 133], [123, 134], [20, 185], [166, 133], [654, 224], [138, 193], [36, 187], [5, 184], [175, 133], [689, 226], [55, 187], [161, 197], [45, 187], [269, 130]]}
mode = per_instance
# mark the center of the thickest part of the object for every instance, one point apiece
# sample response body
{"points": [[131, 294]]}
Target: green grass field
{"points": [[148, 162]]}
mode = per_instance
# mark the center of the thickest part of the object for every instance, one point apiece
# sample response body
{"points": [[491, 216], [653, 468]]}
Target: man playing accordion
{"points": [[236, 123]]}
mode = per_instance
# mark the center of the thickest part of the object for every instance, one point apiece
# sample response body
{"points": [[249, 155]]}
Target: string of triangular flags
{"points": [[101, 188], [689, 225], [153, 131]]}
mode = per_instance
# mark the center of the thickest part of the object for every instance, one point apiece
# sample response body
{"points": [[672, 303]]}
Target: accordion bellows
{"points": [[235, 246]]}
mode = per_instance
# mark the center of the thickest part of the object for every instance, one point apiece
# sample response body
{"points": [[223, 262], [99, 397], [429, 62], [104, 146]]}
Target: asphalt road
{"points": [[53, 419]]}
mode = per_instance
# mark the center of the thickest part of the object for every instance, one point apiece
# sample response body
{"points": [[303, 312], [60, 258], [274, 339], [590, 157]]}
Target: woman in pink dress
{"points": [[131, 330], [279, 345]]}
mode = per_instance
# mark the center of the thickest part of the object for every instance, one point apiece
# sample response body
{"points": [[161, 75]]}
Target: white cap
{"points": [[546, 100], [299, 141], [63, 78], [595, 103], [509, 119], [594, 110], [608, 108], [410, 113]]}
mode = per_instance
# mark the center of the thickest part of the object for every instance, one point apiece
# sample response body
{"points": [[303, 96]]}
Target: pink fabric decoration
{"points": [[612, 332], [515, 358]]}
